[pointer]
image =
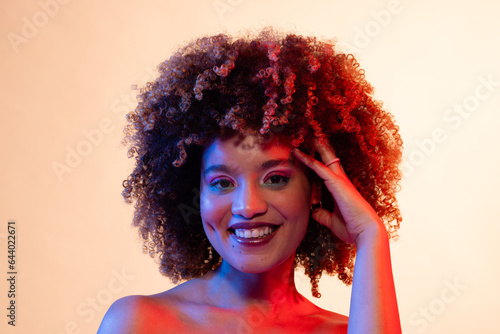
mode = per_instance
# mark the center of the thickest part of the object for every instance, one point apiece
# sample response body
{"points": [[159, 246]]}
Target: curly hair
{"points": [[267, 84]]}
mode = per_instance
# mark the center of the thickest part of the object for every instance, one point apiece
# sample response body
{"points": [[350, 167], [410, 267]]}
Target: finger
{"points": [[334, 222], [328, 156], [324, 173], [339, 186], [323, 217]]}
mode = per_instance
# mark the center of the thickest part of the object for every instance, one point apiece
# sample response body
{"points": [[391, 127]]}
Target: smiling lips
{"points": [[253, 233], [258, 232]]}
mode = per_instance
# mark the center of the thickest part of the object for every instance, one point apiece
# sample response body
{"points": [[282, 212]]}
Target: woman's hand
{"points": [[352, 216], [374, 307]]}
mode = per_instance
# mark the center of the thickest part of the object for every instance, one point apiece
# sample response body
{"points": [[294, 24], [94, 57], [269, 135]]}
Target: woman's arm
{"points": [[374, 307], [373, 302]]}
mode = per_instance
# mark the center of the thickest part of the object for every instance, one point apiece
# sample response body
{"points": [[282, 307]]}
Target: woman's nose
{"points": [[248, 201]]}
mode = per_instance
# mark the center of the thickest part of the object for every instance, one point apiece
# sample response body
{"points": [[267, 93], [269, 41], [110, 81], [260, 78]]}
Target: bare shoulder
{"points": [[166, 312], [139, 314], [334, 317], [333, 322], [121, 315]]}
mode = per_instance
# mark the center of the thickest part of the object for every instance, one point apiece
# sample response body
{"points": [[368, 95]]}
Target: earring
{"points": [[316, 207]]}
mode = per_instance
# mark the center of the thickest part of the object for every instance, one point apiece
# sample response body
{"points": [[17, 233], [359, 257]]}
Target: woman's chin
{"points": [[259, 265]]}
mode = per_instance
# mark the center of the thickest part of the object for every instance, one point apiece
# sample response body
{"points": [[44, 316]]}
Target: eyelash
{"points": [[216, 183], [284, 179]]}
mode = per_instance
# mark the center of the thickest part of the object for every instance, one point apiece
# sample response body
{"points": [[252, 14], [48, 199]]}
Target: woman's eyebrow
{"points": [[278, 162], [265, 165], [216, 168]]}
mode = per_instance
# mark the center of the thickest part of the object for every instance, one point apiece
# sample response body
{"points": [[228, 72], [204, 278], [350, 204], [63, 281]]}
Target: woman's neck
{"points": [[231, 288]]}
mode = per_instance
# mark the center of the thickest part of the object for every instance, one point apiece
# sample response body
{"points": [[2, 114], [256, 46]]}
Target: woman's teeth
{"points": [[258, 232]]}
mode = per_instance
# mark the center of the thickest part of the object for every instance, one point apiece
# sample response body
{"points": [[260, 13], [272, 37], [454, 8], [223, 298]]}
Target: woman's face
{"points": [[255, 202]]}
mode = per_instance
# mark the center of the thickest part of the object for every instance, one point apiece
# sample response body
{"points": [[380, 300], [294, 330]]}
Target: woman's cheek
{"points": [[212, 208], [205, 205]]}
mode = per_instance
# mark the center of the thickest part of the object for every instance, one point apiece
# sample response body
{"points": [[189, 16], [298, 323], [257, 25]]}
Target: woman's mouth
{"points": [[255, 235], [259, 232]]}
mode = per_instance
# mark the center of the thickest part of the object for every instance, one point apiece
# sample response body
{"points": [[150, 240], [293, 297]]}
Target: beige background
{"points": [[66, 73]]}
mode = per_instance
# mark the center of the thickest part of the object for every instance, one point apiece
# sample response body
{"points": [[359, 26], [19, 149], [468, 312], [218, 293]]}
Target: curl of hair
{"points": [[271, 84]]}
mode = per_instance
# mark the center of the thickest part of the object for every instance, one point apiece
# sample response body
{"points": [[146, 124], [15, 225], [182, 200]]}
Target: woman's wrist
{"points": [[374, 234]]}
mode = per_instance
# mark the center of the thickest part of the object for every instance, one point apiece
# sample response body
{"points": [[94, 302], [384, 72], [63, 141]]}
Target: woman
{"points": [[256, 156]]}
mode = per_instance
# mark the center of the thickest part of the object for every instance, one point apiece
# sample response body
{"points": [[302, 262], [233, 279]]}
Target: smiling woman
{"points": [[254, 211], [232, 117]]}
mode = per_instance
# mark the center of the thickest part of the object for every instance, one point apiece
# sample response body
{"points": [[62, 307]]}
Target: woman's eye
{"points": [[221, 184], [277, 180]]}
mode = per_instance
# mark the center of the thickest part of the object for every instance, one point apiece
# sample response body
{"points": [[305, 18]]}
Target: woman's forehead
{"points": [[246, 149]]}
